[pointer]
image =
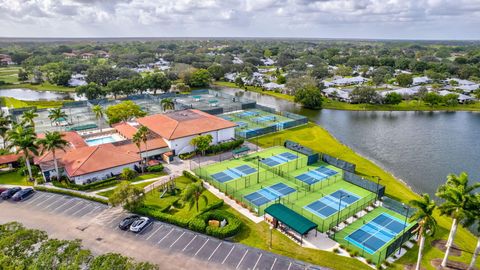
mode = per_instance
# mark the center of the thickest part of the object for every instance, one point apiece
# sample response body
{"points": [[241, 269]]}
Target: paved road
{"points": [[168, 246]]}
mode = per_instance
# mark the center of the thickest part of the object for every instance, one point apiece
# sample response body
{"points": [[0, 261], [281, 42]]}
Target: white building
{"points": [[461, 97], [337, 93], [403, 91], [77, 80], [345, 81], [273, 86], [421, 80], [178, 128]]}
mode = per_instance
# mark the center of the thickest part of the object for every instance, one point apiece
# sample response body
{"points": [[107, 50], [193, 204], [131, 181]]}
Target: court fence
{"points": [[364, 183], [342, 164], [397, 206], [312, 156]]}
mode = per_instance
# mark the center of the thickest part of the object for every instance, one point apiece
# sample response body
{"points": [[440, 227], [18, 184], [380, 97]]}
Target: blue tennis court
{"points": [[329, 205], [268, 194], [233, 173], [241, 124], [376, 233], [226, 117], [279, 159], [248, 114], [317, 175], [264, 118]]}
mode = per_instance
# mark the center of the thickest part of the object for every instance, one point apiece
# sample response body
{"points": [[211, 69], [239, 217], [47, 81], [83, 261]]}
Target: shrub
{"points": [[379, 266], [356, 253], [233, 224], [156, 213], [155, 168], [71, 193], [197, 224], [369, 261], [342, 246], [128, 174], [186, 156], [212, 206], [336, 250], [191, 176], [94, 185], [223, 147]]}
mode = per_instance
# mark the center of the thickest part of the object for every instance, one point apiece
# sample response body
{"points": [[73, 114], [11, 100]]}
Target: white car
{"points": [[140, 224]]}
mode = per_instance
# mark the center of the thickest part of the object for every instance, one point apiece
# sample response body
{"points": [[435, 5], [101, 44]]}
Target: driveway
{"points": [[170, 247]]}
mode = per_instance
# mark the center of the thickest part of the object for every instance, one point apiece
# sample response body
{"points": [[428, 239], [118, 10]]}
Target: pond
{"points": [[31, 95], [421, 148]]}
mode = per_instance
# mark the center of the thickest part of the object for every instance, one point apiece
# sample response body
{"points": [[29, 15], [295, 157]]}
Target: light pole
{"points": [[378, 186], [271, 230], [404, 226], [258, 169], [338, 213]]}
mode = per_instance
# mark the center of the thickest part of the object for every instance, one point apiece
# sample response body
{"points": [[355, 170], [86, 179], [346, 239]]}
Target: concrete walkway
{"points": [[133, 183], [84, 193]]}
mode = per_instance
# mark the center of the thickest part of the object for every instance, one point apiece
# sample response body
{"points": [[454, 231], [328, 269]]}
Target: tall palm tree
{"points": [[29, 116], [137, 139], [193, 193], [457, 195], [56, 114], [24, 141], [167, 104], [98, 111], [473, 219], [427, 225], [5, 122], [53, 141]]}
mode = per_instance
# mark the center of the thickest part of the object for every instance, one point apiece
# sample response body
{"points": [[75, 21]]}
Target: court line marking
{"points": [[214, 251], [177, 239], [154, 232], [189, 242], [165, 236], [289, 265], [228, 254], [257, 260], [238, 265], [201, 247], [273, 264]]}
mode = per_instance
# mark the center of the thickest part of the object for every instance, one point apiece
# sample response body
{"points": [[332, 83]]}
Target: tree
{"points": [[63, 77], [281, 79], [457, 195], [130, 196], [344, 71], [309, 96], [52, 142], [202, 142], [124, 111], [157, 81], [22, 75], [24, 140], [98, 111], [320, 72], [90, 91], [450, 99], [128, 174], [5, 122], [432, 99], [366, 95], [239, 82], [216, 71], [28, 117], [296, 83], [473, 219], [200, 78], [182, 87], [101, 74], [141, 136], [56, 115], [393, 98], [427, 225], [119, 87], [167, 104], [404, 79], [193, 193]]}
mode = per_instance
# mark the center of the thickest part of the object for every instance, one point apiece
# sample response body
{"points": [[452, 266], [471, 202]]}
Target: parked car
{"points": [[126, 222], [23, 194], [7, 194], [140, 224], [2, 189]]}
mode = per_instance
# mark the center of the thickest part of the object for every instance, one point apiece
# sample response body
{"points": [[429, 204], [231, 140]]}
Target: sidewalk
{"points": [[50, 186]]}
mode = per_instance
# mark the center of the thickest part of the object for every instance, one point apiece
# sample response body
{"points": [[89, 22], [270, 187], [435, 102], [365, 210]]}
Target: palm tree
{"points": [[53, 141], [141, 136], [457, 195], [24, 141], [138, 142], [5, 122], [98, 111], [56, 114], [473, 219], [28, 116], [193, 193], [427, 225], [167, 104]]}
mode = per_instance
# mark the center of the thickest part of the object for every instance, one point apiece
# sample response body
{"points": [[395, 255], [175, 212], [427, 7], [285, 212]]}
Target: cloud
{"points": [[309, 18]]}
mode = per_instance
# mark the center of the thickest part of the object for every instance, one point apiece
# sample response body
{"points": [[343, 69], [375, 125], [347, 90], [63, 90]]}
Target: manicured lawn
{"points": [[9, 74], [15, 103], [147, 176], [39, 87], [320, 140], [257, 89], [109, 193], [14, 178]]}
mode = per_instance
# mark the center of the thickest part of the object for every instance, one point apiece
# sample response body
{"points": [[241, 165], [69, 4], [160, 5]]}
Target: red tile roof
{"points": [[73, 138], [125, 129], [96, 158], [185, 123], [10, 158]]}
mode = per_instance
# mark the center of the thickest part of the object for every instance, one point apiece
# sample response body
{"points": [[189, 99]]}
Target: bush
{"points": [[191, 176], [223, 147], [155, 168], [71, 193], [197, 224], [233, 224], [369, 261], [94, 185], [336, 250], [212, 206], [128, 174], [188, 155], [156, 213]]}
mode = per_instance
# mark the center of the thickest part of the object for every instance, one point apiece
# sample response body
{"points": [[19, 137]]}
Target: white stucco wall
{"points": [[182, 145], [79, 180]]}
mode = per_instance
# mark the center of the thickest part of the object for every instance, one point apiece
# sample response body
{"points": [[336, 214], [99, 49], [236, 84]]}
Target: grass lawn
{"points": [[16, 103], [320, 140], [147, 176], [14, 178], [9, 74], [256, 89], [46, 86], [109, 193]]}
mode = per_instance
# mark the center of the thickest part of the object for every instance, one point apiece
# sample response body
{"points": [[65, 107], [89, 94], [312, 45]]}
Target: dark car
{"points": [[126, 222], [140, 224], [23, 194], [7, 194], [2, 189]]}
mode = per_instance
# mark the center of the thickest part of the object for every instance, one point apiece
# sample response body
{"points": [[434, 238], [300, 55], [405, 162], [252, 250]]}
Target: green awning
{"points": [[290, 218], [240, 150]]}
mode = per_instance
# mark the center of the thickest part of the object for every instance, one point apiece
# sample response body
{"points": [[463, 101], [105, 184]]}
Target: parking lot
{"points": [[168, 239]]}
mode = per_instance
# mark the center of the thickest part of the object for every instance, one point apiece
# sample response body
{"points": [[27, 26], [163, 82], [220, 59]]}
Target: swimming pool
{"points": [[101, 140]]}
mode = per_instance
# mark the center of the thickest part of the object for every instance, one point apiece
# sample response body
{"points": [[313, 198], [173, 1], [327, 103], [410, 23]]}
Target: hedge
{"points": [[223, 147], [155, 168], [212, 207], [71, 193], [159, 215], [188, 155], [233, 224], [94, 185], [191, 176]]}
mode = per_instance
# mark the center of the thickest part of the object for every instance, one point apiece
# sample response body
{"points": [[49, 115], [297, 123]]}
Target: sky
{"points": [[366, 19]]}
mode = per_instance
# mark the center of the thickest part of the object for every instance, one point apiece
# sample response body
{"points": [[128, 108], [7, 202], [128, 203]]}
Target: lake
{"points": [[28, 94], [421, 148]]}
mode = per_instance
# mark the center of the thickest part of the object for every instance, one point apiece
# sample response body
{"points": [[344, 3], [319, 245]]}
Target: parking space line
{"points": [[53, 203], [94, 208], [177, 239], [189, 242], [228, 254], [259, 257], [73, 214], [41, 195], [154, 232], [243, 257], [214, 251], [289, 265], [75, 203], [54, 209], [54, 197], [201, 248], [166, 235], [273, 264]]}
